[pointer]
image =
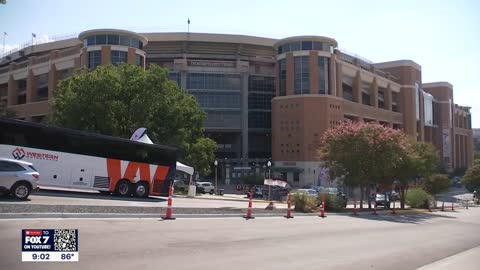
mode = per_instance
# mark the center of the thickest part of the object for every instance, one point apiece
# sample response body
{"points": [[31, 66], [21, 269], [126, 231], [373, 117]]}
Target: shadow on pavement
{"points": [[82, 195], [414, 218]]}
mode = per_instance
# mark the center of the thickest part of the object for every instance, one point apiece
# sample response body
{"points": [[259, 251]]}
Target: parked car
{"points": [[180, 185], [205, 187], [457, 182], [383, 199], [18, 178], [335, 191], [259, 192], [394, 196], [310, 192]]}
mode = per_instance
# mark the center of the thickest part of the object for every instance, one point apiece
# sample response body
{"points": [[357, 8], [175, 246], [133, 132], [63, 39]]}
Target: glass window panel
{"points": [[213, 81], [282, 70], [301, 75], [113, 39], [100, 39], [118, 57], [124, 40], [317, 45], [134, 43], [91, 40], [295, 46], [306, 45], [323, 75], [94, 59]]}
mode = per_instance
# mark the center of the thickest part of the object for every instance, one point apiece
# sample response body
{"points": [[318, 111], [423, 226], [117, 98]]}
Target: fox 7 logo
{"points": [[18, 153]]}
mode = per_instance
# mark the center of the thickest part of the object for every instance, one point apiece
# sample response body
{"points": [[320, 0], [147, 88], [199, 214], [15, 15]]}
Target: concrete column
{"points": [[31, 87], [183, 79], [227, 174], [457, 154], [387, 97], [357, 91], [339, 79], [290, 81], [277, 80], [332, 76], [470, 148], [52, 80], [374, 93], [464, 153], [409, 114], [106, 57], [12, 91], [83, 58], [421, 130], [131, 56], [314, 72], [244, 115]]}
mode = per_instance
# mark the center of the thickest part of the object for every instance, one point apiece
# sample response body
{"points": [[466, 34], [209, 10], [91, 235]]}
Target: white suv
{"points": [[18, 178], [206, 187]]}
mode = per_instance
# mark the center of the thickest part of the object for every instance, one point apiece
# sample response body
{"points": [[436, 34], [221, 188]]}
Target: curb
{"points": [[226, 199]]}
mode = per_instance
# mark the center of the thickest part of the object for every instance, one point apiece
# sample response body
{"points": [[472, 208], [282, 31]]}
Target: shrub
{"points": [[332, 201], [436, 183], [418, 198], [471, 179], [304, 203]]}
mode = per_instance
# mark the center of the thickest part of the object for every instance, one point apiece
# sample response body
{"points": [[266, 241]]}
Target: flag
{"points": [[188, 21], [34, 35]]}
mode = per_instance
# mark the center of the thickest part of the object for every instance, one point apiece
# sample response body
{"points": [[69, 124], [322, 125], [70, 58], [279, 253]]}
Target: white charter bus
{"points": [[75, 159]]}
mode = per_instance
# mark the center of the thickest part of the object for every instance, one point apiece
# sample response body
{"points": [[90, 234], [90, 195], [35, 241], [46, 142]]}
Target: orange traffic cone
{"points": [[249, 210], [289, 210], [168, 216]]}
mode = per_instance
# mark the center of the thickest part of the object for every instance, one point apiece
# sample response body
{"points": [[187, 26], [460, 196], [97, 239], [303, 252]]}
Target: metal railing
{"points": [[38, 42]]}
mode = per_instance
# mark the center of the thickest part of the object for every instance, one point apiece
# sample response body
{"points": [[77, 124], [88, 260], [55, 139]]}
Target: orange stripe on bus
{"points": [[161, 173], [114, 171], [134, 167]]}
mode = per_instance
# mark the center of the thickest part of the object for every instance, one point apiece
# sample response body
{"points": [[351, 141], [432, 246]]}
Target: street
{"points": [[407, 241], [68, 197]]}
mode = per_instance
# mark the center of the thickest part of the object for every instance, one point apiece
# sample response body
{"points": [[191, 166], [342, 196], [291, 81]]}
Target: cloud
{"points": [[42, 39], [9, 48]]}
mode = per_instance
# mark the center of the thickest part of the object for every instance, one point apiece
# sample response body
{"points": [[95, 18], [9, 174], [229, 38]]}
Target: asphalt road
{"points": [[408, 241], [63, 197]]}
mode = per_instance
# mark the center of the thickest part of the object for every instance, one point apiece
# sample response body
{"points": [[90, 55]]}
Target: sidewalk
{"points": [[465, 260]]}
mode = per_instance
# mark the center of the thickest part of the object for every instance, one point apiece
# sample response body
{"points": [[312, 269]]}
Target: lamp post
{"points": [[269, 164], [216, 164]]}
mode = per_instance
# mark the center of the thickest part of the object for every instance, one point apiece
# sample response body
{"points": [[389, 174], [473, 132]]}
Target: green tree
{"points": [[418, 160], [362, 153], [436, 183], [115, 100], [471, 179]]}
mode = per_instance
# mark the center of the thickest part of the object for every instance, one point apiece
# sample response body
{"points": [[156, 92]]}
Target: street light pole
{"points": [[216, 164], [269, 164]]}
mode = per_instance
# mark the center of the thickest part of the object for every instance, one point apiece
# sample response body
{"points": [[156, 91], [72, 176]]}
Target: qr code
{"points": [[65, 240]]}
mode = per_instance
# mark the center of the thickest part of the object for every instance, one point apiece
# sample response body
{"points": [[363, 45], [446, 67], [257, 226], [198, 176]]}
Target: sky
{"points": [[443, 36]]}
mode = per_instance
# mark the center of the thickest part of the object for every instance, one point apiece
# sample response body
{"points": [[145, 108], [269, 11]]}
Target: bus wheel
{"points": [[124, 188], [141, 190]]}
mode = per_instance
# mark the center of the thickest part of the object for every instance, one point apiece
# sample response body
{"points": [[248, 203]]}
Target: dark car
{"points": [[383, 199], [337, 192]]}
